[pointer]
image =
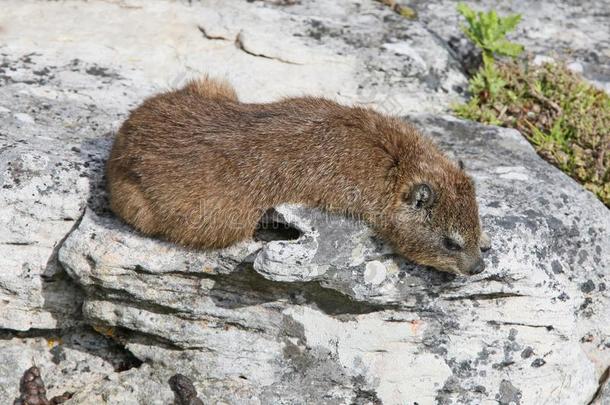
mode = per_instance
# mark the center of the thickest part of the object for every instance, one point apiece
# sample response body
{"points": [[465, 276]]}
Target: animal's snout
{"points": [[477, 267]]}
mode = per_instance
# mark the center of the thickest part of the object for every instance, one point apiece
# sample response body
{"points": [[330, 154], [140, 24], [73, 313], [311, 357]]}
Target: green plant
{"points": [[565, 118], [488, 32]]}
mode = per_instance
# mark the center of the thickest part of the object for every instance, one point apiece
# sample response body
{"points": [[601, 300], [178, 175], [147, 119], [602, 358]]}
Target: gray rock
{"points": [[338, 293], [570, 31], [320, 311], [44, 183], [59, 104], [603, 395], [69, 360], [143, 385]]}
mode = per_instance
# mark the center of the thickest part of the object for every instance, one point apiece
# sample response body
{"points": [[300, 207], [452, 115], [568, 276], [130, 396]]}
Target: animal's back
{"points": [[156, 146], [200, 167]]}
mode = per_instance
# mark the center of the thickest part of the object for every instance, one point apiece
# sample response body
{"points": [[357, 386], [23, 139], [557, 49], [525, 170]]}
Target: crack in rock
{"points": [[212, 37], [241, 44], [486, 296], [547, 327], [603, 385], [364, 326]]}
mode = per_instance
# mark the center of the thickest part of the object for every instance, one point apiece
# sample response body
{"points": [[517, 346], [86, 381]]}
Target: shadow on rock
{"points": [[246, 287]]}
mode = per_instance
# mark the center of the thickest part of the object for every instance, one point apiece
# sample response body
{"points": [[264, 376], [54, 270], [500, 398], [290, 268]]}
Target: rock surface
{"points": [[325, 313], [254, 315], [571, 31], [70, 360]]}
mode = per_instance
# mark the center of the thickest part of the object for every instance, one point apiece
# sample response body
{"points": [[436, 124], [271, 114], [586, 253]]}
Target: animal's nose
{"points": [[477, 267]]}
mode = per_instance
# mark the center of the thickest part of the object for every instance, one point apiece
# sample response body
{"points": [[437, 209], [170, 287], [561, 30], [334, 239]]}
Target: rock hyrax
{"points": [[199, 168]]}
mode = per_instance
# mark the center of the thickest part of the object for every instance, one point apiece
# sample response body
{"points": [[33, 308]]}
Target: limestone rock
{"points": [[43, 175], [321, 311], [68, 360], [336, 297], [569, 31], [58, 105]]}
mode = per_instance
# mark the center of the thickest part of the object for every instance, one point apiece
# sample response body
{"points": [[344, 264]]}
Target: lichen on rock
{"points": [[324, 312]]}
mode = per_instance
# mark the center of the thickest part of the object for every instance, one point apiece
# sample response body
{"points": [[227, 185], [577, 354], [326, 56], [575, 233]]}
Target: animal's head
{"points": [[433, 218]]}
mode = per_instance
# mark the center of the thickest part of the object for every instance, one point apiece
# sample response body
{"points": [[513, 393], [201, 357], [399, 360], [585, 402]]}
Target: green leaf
{"points": [[495, 84], [408, 12], [467, 12], [507, 48], [488, 32], [477, 84], [510, 22]]}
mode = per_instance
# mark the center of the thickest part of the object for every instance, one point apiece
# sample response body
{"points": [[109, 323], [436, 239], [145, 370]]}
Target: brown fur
{"points": [[200, 168]]}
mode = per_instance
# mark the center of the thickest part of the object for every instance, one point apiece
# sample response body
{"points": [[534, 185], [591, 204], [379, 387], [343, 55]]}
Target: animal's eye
{"points": [[451, 244]]}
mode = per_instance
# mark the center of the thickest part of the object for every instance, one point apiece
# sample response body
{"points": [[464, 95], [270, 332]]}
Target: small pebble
{"points": [[185, 391], [33, 391]]}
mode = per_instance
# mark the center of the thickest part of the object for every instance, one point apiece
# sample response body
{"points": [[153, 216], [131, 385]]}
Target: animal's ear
{"points": [[420, 196], [460, 164]]}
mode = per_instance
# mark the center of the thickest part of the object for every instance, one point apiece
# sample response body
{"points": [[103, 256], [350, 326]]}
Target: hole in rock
{"points": [[272, 226]]}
